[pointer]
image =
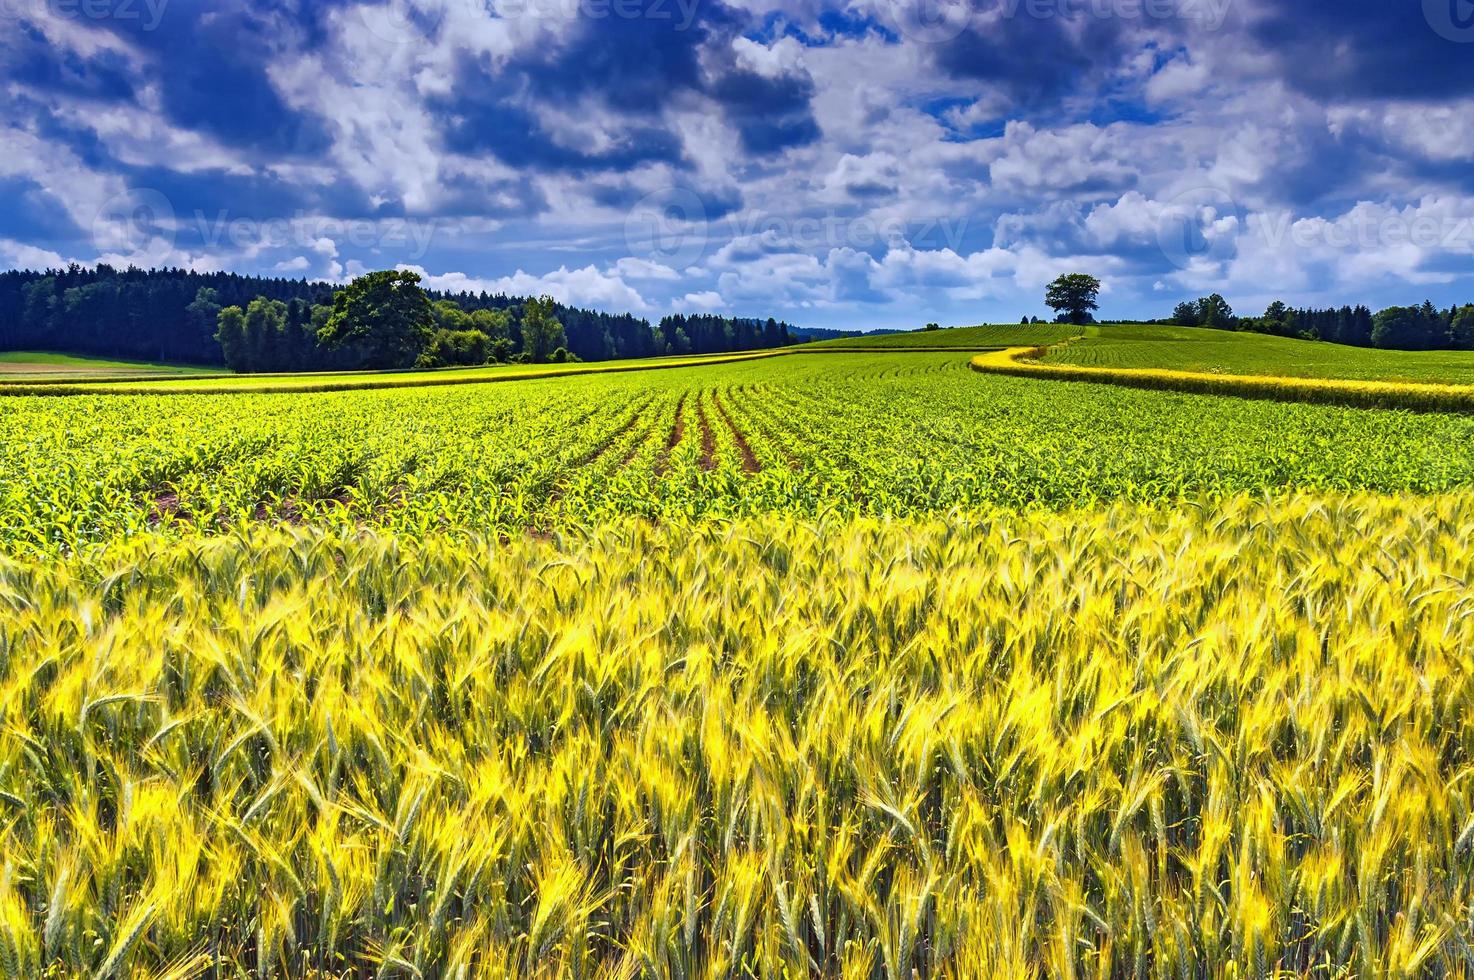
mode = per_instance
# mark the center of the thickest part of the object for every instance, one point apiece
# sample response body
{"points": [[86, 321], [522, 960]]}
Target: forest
{"points": [[173, 316], [1424, 327]]}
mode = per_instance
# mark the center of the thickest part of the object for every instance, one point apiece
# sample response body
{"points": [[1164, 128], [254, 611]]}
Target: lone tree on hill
{"points": [[1073, 297], [385, 316]]}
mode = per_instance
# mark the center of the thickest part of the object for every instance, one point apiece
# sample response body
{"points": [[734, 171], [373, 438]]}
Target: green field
{"points": [[24, 366], [1226, 352], [220, 382], [1176, 348], [19, 369], [807, 435], [965, 338], [815, 663], [150, 379]]}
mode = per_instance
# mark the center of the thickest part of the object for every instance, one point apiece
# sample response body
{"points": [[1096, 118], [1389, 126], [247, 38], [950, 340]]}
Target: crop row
{"points": [[903, 434]]}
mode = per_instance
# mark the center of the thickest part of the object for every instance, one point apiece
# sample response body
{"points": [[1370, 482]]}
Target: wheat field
{"points": [[1217, 740]]}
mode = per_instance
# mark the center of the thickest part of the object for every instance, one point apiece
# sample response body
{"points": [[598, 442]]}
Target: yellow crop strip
{"points": [[1025, 362], [365, 380], [1190, 741]]}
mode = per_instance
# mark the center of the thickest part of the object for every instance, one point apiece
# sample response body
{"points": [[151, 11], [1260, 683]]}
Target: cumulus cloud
{"points": [[705, 301], [586, 287], [635, 268]]}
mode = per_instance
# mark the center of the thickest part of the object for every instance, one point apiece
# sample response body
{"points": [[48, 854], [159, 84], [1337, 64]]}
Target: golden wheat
{"points": [[1413, 396], [1219, 741]]}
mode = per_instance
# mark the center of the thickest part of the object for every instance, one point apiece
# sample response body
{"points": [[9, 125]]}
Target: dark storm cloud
{"points": [[634, 64], [209, 62], [486, 115], [32, 213], [29, 60], [771, 114], [1403, 49], [1034, 55]]}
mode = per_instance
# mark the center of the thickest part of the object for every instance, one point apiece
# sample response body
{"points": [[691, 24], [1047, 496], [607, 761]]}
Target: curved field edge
{"points": [[448, 377], [1025, 362], [952, 338], [360, 381], [728, 751], [1203, 350]]}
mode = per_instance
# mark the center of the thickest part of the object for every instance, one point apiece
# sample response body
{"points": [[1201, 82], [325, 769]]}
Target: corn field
{"points": [[1219, 740], [813, 436]]}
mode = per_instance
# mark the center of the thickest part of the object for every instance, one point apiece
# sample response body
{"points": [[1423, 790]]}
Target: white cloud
{"points": [[19, 255], [573, 287], [707, 300], [1178, 79], [1443, 133], [1075, 159], [784, 56], [633, 268]]}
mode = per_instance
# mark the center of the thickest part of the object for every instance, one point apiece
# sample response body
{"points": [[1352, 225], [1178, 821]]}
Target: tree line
{"points": [[174, 316], [1424, 327]]}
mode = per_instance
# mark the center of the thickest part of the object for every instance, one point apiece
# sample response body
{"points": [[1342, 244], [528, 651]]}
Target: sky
{"points": [[877, 163]]}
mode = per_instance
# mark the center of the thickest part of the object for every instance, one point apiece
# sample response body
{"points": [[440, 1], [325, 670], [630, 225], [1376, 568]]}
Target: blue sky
{"points": [[880, 163]]}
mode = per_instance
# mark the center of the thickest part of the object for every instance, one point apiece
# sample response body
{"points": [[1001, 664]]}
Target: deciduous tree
{"points": [[1073, 297], [385, 316]]}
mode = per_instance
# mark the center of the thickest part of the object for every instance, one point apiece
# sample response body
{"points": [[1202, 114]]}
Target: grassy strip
{"points": [[1024, 362], [363, 382], [956, 338], [969, 349], [9, 382]]}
